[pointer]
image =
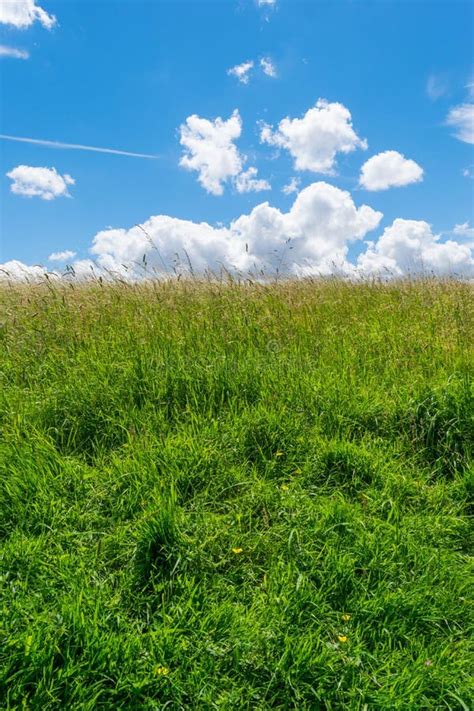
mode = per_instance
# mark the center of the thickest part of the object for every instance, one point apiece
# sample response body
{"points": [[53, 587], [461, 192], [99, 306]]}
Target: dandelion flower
{"points": [[284, 487], [346, 617], [342, 638], [160, 670], [237, 550]]}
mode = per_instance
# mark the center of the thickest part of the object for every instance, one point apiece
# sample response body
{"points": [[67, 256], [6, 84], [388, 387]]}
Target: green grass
{"points": [[149, 432]]}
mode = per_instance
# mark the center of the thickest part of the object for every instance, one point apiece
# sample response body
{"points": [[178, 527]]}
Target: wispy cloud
{"points": [[437, 86], [465, 230], [61, 256], [14, 52], [461, 117], [76, 147]]}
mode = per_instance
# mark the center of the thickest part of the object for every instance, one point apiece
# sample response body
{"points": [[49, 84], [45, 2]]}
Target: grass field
{"points": [[236, 496]]}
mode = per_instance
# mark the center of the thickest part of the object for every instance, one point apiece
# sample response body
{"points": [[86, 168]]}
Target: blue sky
{"points": [[127, 75]]}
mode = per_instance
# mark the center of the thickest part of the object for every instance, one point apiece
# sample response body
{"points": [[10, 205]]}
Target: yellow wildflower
{"points": [[237, 550], [346, 617], [342, 638], [279, 454], [284, 487], [160, 670]]}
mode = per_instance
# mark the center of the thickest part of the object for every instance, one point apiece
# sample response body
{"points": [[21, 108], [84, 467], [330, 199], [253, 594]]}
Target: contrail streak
{"points": [[77, 147]]}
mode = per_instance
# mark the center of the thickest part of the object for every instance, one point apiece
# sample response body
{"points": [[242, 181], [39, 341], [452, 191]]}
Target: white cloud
{"points": [[292, 186], [468, 172], [241, 71], [436, 86], [45, 183], [23, 13], [17, 271], [461, 118], [266, 3], [314, 140], [312, 237], [268, 67], [61, 256], [13, 52], [389, 169], [210, 150], [247, 182], [321, 223], [465, 233], [409, 246]]}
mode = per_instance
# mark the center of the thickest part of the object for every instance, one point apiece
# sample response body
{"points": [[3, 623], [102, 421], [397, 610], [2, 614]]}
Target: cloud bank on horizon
{"points": [[312, 236], [311, 239]]}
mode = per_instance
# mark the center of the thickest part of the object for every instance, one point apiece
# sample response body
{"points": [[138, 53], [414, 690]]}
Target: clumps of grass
{"points": [[441, 425], [343, 465], [236, 495], [161, 546]]}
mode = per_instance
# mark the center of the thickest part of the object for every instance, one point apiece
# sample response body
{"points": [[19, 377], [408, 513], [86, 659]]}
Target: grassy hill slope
{"points": [[223, 496]]}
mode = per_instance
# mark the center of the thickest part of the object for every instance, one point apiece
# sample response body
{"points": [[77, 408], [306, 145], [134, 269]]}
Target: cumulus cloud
{"points": [[241, 71], [266, 3], [81, 269], [247, 182], [409, 246], [17, 271], [210, 150], [268, 67], [13, 52], [315, 139], [292, 186], [45, 183], [468, 172], [61, 256], [23, 13], [389, 169], [320, 225], [311, 238], [461, 118]]}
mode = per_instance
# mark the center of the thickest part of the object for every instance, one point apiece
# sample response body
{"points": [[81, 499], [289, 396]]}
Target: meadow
{"points": [[236, 495]]}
